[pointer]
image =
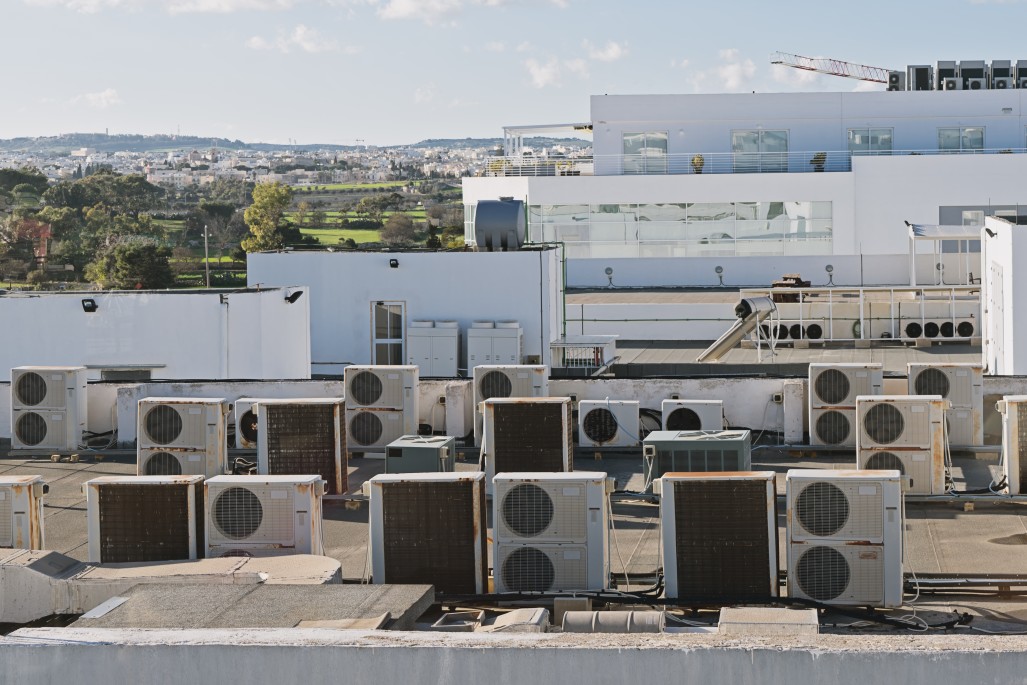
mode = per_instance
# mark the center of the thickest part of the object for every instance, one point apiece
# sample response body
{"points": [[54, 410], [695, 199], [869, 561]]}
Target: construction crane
{"points": [[834, 67]]}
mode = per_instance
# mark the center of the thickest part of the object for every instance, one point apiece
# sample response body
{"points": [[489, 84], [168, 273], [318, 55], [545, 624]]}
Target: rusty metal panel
{"points": [[298, 437], [141, 522]]}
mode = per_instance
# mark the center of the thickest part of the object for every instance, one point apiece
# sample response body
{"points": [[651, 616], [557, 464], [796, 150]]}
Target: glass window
{"points": [[870, 141], [387, 343], [645, 153], [760, 151], [962, 139]]}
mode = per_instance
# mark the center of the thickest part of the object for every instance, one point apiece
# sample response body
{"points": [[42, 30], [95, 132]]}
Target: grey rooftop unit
{"points": [[695, 451], [500, 225], [420, 454]]}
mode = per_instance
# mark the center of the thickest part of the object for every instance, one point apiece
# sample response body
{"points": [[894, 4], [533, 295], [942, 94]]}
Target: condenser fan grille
{"points": [[932, 382], [365, 429], [366, 388], [237, 513], [30, 389], [146, 522], [528, 570], [683, 419], [30, 428], [600, 425], [302, 439], [885, 461], [162, 464], [530, 436], [833, 427], [832, 386], [883, 422], [822, 509], [494, 384], [822, 573], [163, 424], [248, 425], [527, 510]]}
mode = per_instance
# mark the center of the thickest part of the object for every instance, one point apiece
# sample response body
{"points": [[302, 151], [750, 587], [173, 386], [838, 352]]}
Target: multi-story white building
{"points": [[763, 184]]}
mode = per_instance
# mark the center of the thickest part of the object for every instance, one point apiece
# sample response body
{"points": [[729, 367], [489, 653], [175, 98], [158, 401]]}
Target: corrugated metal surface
{"points": [[147, 522], [531, 436], [302, 439]]}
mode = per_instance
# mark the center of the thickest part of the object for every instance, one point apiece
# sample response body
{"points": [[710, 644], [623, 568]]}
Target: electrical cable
{"points": [[616, 542]]}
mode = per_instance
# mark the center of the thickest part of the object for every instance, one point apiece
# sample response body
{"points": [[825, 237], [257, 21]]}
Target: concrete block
{"points": [[561, 605], [761, 621]]}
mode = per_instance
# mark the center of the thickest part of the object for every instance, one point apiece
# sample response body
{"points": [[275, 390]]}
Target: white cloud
{"points": [[543, 75], [524, 47], [795, 78], [99, 100], [680, 64], [171, 6], [865, 86], [495, 46], [86, 6], [424, 94], [301, 38], [432, 11], [611, 52], [578, 67]]}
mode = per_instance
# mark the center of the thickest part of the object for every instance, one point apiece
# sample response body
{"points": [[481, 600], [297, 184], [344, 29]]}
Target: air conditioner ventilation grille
{"points": [[683, 419], [6, 519], [932, 382], [366, 388], [600, 425], [883, 422], [833, 427], [822, 509], [528, 569], [832, 386], [527, 510], [30, 389], [31, 428], [248, 425], [430, 534], [822, 573], [163, 424], [494, 384], [885, 461], [162, 464], [237, 513], [365, 428], [530, 436], [722, 540], [301, 439], [146, 522]]}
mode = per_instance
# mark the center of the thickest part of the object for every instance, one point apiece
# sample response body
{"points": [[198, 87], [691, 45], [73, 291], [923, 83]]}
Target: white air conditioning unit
{"points": [[21, 512], [263, 515], [381, 387], [844, 536], [1022, 81], [833, 389], [888, 422], [719, 535], [182, 436], [371, 431], [1002, 83], [976, 84], [608, 423], [693, 415], [246, 427], [527, 434], [48, 407], [304, 436], [963, 386], [923, 471], [429, 528], [551, 531], [952, 83], [133, 519], [1013, 409], [158, 461], [502, 381]]}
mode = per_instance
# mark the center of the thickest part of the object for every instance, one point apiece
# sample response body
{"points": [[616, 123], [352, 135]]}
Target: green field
{"points": [[318, 187], [334, 236], [333, 215]]}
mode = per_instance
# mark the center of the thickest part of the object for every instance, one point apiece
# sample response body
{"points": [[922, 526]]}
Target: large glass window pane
{"points": [[774, 151], [973, 139], [859, 141], [881, 139], [948, 139], [626, 212]]}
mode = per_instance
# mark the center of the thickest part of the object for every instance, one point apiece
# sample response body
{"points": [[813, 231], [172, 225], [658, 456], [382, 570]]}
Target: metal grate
{"points": [[30, 389], [527, 510], [162, 464], [884, 423], [697, 458], [6, 518], [832, 386], [237, 513], [886, 461], [163, 424], [431, 534], [248, 425], [365, 428], [494, 384], [301, 439], [722, 539], [833, 427], [600, 425], [365, 388], [822, 573], [683, 419], [528, 569], [932, 382], [530, 436], [145, 522], [822, 509], [31, 428]]}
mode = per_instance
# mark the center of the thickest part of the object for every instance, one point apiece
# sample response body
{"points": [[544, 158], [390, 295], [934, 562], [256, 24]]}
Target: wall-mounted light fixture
{"points": [[89, 305], [393, 263], [830, 274], [720, 273], [292, 297]]}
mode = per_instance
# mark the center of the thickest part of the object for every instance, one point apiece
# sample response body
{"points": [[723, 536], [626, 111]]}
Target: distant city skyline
{"points": [[387, 72]]}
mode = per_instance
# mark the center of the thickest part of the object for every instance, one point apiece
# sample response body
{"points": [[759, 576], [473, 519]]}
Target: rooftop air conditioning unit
{"points": [[1022, 82], [429, 528], [181, 436], [693, 415], [253, 516], [246, 427], [719, 535], [952, 84], [503, 381], [21, 512], [923, 471], [963, 386], [896, 80], [889, 422], [976, 84], [421, 454], [144, 518], [844, 536], [608, 423], [381, 405], [1002, 83], [48, 407], [833, 389], [523, 434], [1013, 409], [695, 451], [303, 436], [551, 531]]}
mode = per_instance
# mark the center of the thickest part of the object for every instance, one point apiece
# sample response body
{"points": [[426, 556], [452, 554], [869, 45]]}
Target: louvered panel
{"points": [[722, 539], [430, 535], [6, 518], [531, 436], [302, 440], [146, 522]]}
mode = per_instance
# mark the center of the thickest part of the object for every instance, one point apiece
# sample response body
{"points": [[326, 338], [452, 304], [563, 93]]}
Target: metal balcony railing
{"points": [[702, 163]]}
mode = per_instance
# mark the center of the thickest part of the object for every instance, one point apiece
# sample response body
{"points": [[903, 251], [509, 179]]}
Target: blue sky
{"points": [[398, 71]]}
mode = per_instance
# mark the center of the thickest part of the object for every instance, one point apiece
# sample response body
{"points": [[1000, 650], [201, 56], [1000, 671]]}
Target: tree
{"points": [[398, 230], [302, 210], [264, 216], [134, 265]]}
